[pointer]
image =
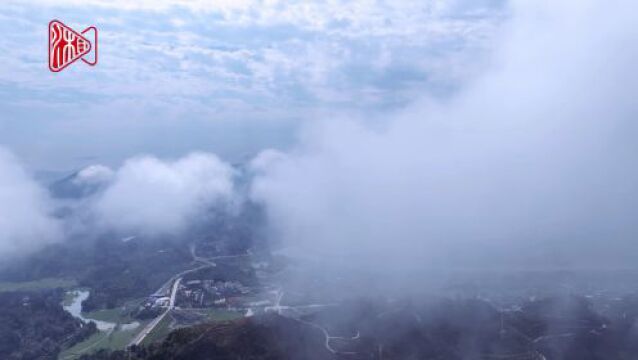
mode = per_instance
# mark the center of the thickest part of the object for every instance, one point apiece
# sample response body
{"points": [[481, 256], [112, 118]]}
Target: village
{"points": [[202, 293]]}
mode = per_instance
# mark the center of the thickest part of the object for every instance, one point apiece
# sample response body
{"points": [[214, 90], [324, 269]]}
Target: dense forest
{"points": [[114, 270], [117, 268], [33, 325]]}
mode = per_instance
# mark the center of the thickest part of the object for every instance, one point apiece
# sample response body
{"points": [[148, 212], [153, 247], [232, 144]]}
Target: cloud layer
{"points": [[241, 72], [145, 196], [158, 197], [532, 166], [25, 208]]}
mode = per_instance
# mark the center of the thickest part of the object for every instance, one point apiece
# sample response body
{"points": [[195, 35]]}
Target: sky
{"points": [[229, 77], [414, 134]]}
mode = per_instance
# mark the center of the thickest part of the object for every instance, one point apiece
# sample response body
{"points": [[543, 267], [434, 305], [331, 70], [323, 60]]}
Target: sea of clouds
{"points": [[531, 164]]}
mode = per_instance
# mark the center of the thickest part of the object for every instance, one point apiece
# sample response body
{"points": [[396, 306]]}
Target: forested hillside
{"points": [[33, 325]]}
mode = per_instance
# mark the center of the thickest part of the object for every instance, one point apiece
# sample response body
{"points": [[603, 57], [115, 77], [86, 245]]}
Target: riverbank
{"points": [[115, 330]]}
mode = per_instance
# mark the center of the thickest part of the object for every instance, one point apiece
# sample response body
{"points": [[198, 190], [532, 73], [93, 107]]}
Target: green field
{"points": [[120, 339], [50, 283], [109, 315], [114, 340], [222, 315], [160, 332], [96, 341]]}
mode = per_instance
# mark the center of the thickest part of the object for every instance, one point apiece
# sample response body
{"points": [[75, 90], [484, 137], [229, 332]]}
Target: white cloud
{"points": [[361, 16], [533, 165], [141, 59], [153, 196], [250, 61], [265, 160], [93, 175], [25, 220]]}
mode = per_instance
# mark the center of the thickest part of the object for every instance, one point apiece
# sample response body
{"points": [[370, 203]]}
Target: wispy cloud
{"points": [[26, 222], [222, 60]]}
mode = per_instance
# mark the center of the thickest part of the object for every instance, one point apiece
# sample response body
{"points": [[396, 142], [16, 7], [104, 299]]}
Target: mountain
{"points": [[82, 183]]}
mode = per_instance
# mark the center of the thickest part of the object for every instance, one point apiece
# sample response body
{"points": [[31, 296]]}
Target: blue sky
{"points": [[231, 77]]}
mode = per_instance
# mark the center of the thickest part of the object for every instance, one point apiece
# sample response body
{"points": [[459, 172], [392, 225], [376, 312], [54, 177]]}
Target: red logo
{"points": [[67, 46]]}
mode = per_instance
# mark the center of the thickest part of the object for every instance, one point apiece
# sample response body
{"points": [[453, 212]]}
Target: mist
{"points": [[145, 196], [494, 214], [26, 222], [163, 197], [529, 165], [533, 165]]}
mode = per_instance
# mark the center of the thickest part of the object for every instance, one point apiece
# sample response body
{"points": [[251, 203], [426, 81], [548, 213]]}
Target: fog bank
{"points": [[533, 165], [163, 197], [25, 208]]}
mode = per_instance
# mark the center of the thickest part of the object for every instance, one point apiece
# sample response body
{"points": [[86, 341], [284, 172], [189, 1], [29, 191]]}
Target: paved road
{"points": [[137, 340], [171, 304], [175, 281]]}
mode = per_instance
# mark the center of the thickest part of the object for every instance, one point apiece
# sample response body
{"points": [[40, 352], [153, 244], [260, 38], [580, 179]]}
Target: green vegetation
{"points": [[222, 314], [264, 338], [118, 340], [131, 270], [47, 283], [85, 347], [114, 340], [33, 325], [226, 270], [109, 315], [160, 332], [115, 271]]}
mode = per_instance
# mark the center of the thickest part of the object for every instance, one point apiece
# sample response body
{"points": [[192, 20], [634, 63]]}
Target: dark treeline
{"points": [[114, 270]]}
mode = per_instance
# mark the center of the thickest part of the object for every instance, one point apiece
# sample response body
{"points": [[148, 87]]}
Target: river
{"points": [[75, 308]]}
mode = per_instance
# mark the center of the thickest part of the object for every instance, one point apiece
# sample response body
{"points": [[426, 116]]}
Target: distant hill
{"points": [[81, 183]]}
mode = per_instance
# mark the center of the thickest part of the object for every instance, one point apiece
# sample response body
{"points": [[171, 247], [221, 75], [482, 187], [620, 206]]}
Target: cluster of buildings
{"points": [[209, 293], [156, 301], [200, 294]]}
